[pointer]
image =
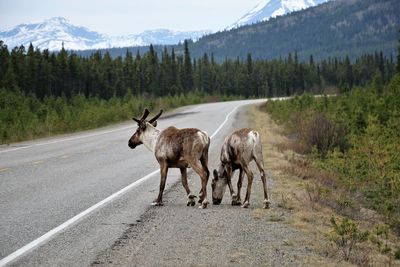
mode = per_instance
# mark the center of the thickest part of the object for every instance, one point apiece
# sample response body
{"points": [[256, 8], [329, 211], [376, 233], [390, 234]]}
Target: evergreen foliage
{"points": [[364, 150], [66, 74], [32, 81]]}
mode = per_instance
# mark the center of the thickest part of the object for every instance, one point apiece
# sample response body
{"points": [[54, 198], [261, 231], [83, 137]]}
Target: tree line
{"points": [[45, 73]]}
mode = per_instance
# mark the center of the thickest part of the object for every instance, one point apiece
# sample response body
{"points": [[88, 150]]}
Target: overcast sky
{"points": [[118, 17]]}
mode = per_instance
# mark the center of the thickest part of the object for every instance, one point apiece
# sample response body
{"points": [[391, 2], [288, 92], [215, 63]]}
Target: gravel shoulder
{"points": [[224, 235]]}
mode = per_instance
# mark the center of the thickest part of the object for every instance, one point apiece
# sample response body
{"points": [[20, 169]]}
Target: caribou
{"points": [[239, 149], [175, 148]]}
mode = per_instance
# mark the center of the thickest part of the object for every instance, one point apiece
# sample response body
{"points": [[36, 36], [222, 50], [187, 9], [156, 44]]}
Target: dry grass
{"points": [[310, 196]]}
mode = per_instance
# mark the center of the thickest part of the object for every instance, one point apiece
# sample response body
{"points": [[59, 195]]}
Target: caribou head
{"points": [[143, 126], [219, 182]]}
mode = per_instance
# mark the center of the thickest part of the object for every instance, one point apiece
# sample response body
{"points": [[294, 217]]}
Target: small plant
{"points": [[346, 235], [316, 192], [381, 232], [286, 202], [344, 202], [397, 254]]}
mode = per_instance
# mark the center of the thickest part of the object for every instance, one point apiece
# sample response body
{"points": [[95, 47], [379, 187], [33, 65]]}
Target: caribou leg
{"points": [[260, 166], [197, 167], [163, 178], [249, 175], [236, 200], [233, 195], [191, 197]]}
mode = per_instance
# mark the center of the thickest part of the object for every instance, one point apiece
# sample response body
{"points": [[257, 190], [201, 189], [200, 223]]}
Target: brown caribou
{"points": [[238, 150], [175, 148]]}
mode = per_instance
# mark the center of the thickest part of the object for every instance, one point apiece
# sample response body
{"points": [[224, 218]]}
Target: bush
{"points": [[323, 134], [346, 235]]}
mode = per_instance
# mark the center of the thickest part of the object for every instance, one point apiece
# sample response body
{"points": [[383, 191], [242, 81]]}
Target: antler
{"points": [[156, 117], [146, 113]]}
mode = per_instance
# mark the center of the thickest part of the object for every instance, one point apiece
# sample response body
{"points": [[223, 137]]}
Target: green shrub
{"points": [[346, 235]]}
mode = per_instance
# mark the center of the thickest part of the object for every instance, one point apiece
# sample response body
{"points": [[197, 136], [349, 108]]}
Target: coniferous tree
{"points": [[187, 69], [398, 56], [66, 74]]}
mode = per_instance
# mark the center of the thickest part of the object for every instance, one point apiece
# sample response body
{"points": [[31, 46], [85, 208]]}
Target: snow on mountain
{"points": [[54, 32], [272, 8]]}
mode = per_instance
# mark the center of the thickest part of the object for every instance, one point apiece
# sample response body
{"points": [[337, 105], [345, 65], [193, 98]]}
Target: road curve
{"points": [[64, 199]]}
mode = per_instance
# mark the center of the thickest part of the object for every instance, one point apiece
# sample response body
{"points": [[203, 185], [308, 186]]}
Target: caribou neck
{"points": [[150, 136]]}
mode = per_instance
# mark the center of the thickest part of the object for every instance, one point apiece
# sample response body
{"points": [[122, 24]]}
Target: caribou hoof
{"points": [[203, 204], [191, 201], [266, 204], [157, 204], [236, 201], [245, 205]]}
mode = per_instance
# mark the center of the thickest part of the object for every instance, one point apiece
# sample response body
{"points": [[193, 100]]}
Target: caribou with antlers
{"points": [[238, 150], [175, 148]]}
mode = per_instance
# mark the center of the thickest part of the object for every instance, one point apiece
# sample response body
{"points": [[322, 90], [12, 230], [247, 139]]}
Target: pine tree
{"points": [[398, 57], [187, 69]]}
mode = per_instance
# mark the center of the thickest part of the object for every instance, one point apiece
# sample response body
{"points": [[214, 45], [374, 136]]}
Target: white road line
{"points": [[54, 231], [226, 119], [37, 242]]}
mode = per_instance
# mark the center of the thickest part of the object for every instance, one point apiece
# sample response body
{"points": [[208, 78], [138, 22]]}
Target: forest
{"points": [[44, 92]]}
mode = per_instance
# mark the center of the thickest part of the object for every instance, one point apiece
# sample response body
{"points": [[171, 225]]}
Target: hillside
{"points": [[336, 28]]}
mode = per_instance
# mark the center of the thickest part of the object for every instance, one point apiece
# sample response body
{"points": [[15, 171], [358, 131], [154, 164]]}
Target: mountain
{"points": [[272, 8], [52, 33], [336, 28]]}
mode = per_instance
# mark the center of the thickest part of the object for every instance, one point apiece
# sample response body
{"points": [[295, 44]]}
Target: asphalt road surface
{"points": [[65, 199]]}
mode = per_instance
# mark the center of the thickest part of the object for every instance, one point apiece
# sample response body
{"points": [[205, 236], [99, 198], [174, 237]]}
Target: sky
{"points": [[120, 17]]}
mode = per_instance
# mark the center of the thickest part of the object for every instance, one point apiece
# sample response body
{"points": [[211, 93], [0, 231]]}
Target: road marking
{"points": [[37, 162], [37, 242], [226, 119], [71, 221]]}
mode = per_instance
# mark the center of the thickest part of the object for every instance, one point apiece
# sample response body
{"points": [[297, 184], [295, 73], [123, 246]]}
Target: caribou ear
{"points": [[215, 173], [136, 120], [154, 123]]}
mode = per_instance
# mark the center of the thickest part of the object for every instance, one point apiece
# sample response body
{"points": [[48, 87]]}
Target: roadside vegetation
{"points": [[24, 116], [45, 93], [343, 154]]}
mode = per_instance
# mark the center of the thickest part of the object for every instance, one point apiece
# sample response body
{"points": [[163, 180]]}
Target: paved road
{"points": [[55, 202]]}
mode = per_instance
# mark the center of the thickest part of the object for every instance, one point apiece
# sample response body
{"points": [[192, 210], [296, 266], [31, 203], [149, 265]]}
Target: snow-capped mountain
{"points": [[54, 32], [272, 8]]}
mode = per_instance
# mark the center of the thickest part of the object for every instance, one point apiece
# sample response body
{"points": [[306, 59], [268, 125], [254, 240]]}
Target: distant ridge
{"points": [[52, 33]]}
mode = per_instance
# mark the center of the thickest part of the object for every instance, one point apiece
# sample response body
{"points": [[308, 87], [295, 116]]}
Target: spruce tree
{"points": [[187, 69], [398, 57]]}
